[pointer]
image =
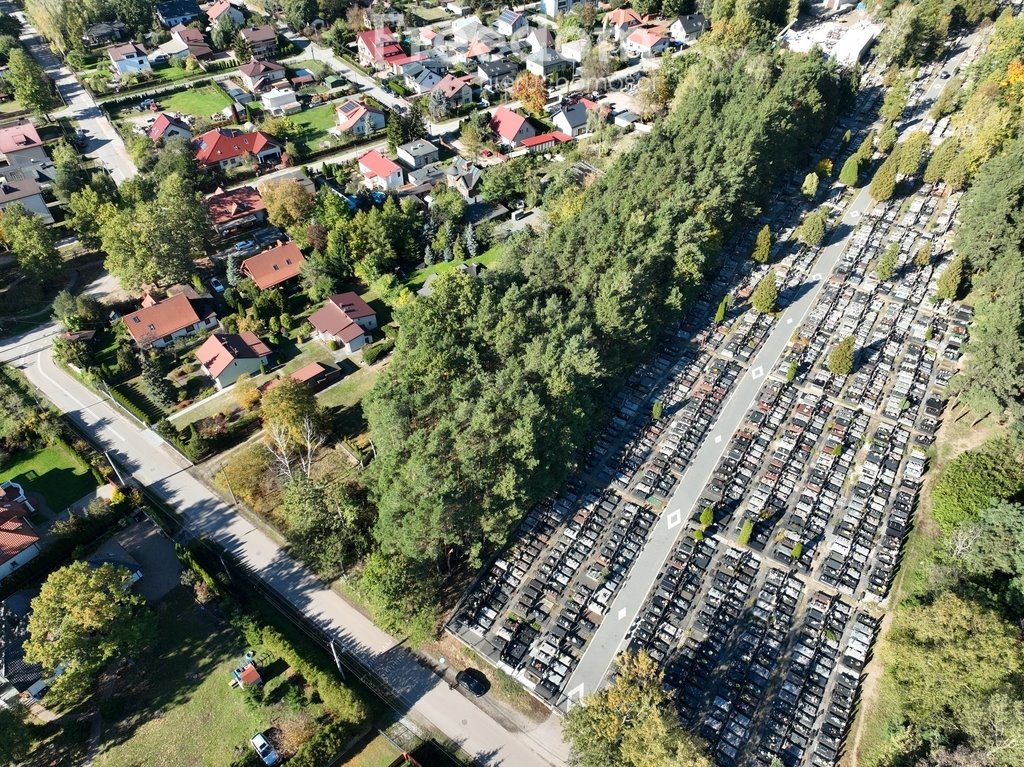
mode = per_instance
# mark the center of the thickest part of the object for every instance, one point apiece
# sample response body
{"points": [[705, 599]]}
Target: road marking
{"points": [[816, 277], [119, 437], [718, 439], [757, 372], [854, 214], [575, 692], [675, 519], [789, 320], [622, 614], [39, 364]]}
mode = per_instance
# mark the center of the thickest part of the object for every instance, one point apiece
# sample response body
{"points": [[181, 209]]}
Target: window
{"points": [[136, 320], [288, 261], [152, 326], [277, 268]]}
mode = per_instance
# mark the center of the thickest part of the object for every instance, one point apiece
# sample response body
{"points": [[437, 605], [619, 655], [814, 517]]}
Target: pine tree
{"points": [[723, 306], [763, 245], [470, 237], [766, 294], [886, 266], [798, 550], [949, 283], [923, 257], [428, 256], [159, 388], [792, 371], [809, 188], [745, 532], [707, 517], [840, 361], [883, 185], [233, 275]]}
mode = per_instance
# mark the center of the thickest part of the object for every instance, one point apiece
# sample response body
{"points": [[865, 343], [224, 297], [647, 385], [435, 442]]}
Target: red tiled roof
{"points": [[188, 34], [161, 319], [621, 16], [219, 144], [557, 137], [162, 123], [217, 9], [120, 52], [275, 265], [647, 37], [507, 123], [257, 68], [235, 203], [381, 43], [18, 137], [375, 165], [16, 535], [450, 85], [221, 349]]}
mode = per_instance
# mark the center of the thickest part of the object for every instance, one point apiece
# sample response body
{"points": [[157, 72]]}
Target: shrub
{"points": [[325, 746], [375, 351]]}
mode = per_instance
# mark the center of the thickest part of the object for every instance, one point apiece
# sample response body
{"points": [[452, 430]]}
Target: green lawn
{"points": [[351, 389], [182, 711], [54, 473], [418, 277], [316, 123], [375, 752], [199, 102]]}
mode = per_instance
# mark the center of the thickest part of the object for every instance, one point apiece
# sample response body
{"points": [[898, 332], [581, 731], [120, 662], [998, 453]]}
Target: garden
{"points": [[203, 102]]}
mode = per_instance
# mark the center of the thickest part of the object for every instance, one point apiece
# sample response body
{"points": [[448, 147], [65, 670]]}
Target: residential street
{"points": [[104, 143], [430, 700]]}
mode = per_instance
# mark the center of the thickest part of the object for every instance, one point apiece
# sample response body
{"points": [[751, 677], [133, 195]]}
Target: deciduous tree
{"points": [[840, 361], [530, 91], [32, 243], [288, 203]]}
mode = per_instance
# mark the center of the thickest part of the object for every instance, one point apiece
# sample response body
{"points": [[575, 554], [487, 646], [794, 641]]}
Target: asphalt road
{"points": [[611, 634], [104, 144], [430, 701]]}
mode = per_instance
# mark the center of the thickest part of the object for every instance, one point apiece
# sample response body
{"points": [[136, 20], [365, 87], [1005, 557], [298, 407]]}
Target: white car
{"points": [[265, 751]]}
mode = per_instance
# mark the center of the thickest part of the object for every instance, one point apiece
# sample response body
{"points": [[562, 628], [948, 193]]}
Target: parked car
{"points": [[264, 750], [244, 245], [473, 680], [217, 285]]}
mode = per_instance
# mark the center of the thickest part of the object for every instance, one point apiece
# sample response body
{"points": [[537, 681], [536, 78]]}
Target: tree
{"points": [[923, 257], [288, 203], [707, 517], [746, 531], [850, 173], [247, 395], [160, 389], [883, 185], [763, 245], [595, 67], [840, 361], [299, 13], [887, 140], [75, 312], [10, 25], [242, 49], [471, 137], [30, 83], [948, 287], [941, 159], [885, 268], [439, 106], [469, 235], [791, 371], [913, 152], [866, 150], [809, 188], [631, 723], [83, 618], [223, 32], [812, 230], [288, 407], [798, 550], [657, 409], [18, 738], [85, 206], [401, 129], [529, 90], [766, 294], [32, 243], [723, 307]]}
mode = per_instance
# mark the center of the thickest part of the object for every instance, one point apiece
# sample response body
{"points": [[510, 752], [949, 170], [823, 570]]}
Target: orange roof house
{"points": [[158, 323], [275, 265], [226, 356]]}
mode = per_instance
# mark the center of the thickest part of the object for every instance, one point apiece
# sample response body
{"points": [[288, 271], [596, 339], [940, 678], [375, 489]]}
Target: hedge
{"points": [[325, 746], [128, 405], [338, 699], [375, 351]]}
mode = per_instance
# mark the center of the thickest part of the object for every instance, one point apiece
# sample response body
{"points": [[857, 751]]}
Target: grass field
{"points": [[316, 123], [54, 473], [374, 752], [199, 102], [418, 277], [351, 389], [183, 713]]}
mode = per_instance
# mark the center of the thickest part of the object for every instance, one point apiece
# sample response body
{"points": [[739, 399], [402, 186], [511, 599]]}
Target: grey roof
{"points": [[174, 8], [693, 22], [575, 115], [426, 174], [494, 69], [418, 148], [547, 57]]}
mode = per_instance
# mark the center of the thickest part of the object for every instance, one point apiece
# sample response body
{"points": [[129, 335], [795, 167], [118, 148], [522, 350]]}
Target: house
{"points": [[421, 79], [110, 552], [128, 59], [428, 38], [346, 319], [457, 89], [418, 153], [21, 145], [17, 185], [193, 40], [280, 101], [464, 177], [226, 356], [376, 46], [226, 148], [512, 128], [262, 40], [426, 177], [496, 75], [379, 172], [686, 29], [540, 38], [274, 265], [315, 375], [474, 50], [221, 8], [545, 141], [547, 63], [510, 22], [571, 119], [235, 209], [170, 13], [158, 323], [165, 127], [19, 542], [620, 22], [646, 42], [575, 50], [553, 8], [246, 674], [258, 75], [458, 9], [358, 118], [105, 33]]}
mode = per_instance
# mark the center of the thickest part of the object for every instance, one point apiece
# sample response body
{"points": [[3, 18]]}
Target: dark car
{"points": [[473, 680]]}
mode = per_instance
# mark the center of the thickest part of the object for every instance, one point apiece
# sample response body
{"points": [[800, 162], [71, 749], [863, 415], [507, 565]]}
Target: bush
{"points": [[374, 352], [973, 479], [325, 746]]}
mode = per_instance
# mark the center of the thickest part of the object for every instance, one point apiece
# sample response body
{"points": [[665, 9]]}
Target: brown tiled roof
{"points": [[18, 137], [274, 266], [161, 319], [221, 349], [261, 34], [338, 316], [235, 203], [16, 535]]}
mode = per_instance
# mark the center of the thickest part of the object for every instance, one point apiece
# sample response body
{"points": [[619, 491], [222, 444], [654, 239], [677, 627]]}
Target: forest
{"points": [[497, 384]]}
